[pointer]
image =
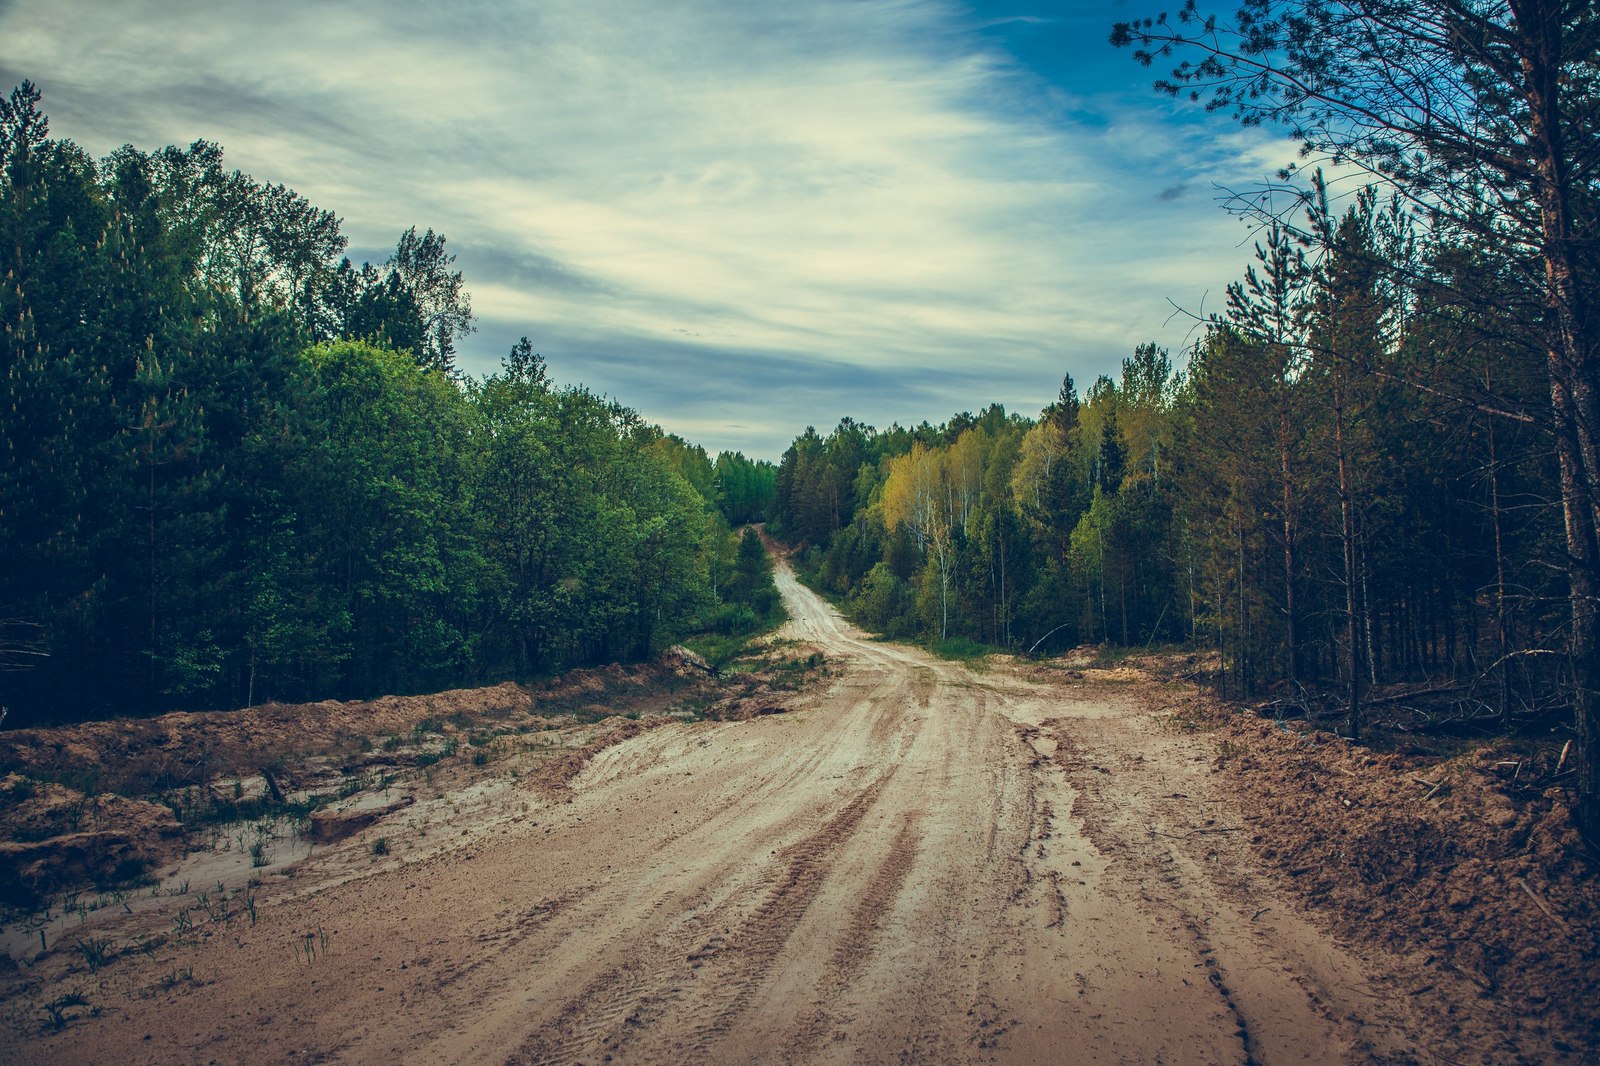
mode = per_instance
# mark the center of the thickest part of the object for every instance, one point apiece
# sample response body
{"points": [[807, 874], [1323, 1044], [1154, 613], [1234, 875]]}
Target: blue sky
{"points": [[739, 218]]}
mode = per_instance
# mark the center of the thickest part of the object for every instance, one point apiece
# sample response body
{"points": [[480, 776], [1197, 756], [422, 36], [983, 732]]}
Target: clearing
{"points": [[906, 860]]}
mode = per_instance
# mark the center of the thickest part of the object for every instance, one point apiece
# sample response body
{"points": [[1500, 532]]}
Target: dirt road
{"points": [[918, 862]]}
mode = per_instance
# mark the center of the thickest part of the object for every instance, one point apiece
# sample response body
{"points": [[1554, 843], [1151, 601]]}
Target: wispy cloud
{"points": [[739, 218]]}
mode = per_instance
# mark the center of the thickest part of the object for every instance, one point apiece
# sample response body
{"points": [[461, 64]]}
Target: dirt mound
{"points": [[556, 774], [1114, 674], [684, 661], [55, 836], [743, 708], [1437, 860], [66, 820], [134, 755]]}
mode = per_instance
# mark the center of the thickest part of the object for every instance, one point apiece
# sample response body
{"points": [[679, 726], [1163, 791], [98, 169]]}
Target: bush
{"points": [[960, 648], [731, 618]]}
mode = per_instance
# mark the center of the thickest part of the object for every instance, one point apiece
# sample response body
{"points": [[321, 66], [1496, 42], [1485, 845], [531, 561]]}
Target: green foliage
{"points": [[885, 602], [235, 466], [745, 490], [960, 649], [749, 607], [1206, 506]]}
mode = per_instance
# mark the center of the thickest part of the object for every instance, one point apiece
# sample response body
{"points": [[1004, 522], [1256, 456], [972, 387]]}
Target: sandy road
{"points": [[918, 863]]}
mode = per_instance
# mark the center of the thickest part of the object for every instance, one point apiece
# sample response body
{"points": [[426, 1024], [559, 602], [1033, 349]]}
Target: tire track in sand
{"points": [[858, 941], [738, 965]]}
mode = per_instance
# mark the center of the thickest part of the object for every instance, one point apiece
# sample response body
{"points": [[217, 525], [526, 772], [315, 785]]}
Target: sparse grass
{"points": [[177, 976], [97, 951], [722, 651], [198, 809], [56, 1016], [1113, 655], [428, 758], [309, 945], [697, 703], [790, 674]]}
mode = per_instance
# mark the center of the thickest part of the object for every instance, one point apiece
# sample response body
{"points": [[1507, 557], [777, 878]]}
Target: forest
{"points": [[1206, 506], [1376, 466], [1269, 500], [234, 466], [1351, 484]]}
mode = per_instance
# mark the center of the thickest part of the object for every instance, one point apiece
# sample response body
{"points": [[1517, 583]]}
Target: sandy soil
{"points": [[915, 862]]}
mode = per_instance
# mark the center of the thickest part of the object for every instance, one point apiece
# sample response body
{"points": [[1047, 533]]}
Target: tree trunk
{"points": [[1351, 562], [1284, 473], [1502, 630], [1570, 358]]}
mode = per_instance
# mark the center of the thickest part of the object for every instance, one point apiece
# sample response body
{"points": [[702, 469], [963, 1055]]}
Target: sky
{"points": [[739, 217]]}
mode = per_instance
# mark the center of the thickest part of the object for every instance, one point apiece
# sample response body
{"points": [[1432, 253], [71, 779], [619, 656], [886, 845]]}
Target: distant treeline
{"points": [[1352, 482], [234, 466]]}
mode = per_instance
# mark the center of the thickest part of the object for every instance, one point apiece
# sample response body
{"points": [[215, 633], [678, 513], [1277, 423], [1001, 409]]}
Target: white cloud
{"points": [[851, 182]]}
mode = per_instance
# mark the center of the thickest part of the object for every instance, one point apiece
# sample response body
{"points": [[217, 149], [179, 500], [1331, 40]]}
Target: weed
{"points": [[217, 911], [350, 786], [97, 951], [258, 854], [176, 976], [1230, 749], [309, 945], [56, 1010], [380, 846], [480, 758], [250, 905]]}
